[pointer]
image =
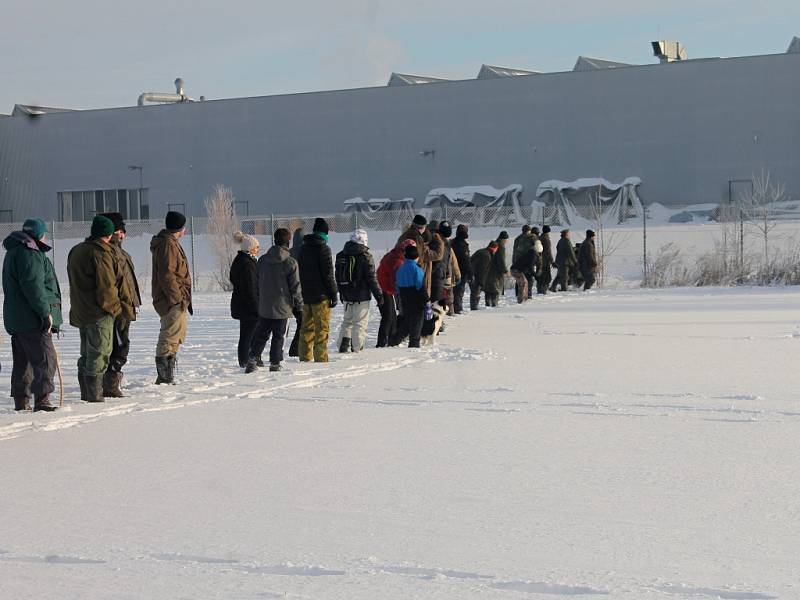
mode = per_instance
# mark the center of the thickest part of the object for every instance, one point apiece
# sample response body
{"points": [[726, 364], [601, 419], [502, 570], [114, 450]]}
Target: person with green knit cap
{"points": [[94, 304], [31, 313]]}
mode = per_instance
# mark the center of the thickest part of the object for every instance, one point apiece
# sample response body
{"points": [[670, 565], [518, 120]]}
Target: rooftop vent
{"points": [[794, 47], [668, 52], [400, 79], [166, 98]]}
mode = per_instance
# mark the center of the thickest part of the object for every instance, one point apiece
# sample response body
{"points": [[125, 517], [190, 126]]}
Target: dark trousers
{"points": [[247, 329], [588, 279], [491, 298], [121, 345], [562, 279], [474, 296], [458, 298], [413, 314], [34, 364], [543, 280], [531, 284], [266, 328], [294, 347], [388, 326]]}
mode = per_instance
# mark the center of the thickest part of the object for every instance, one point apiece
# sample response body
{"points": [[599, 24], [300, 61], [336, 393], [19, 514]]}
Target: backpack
{"points": [[345, 271]]}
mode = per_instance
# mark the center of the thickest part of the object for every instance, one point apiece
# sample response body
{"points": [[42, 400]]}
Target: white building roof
{"points": [[586, 63], [398, 79], [493, 72]]}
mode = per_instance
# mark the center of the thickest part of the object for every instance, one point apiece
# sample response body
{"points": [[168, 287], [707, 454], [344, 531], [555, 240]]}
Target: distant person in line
{"points": [[130, 300], [244, 298], [480, 263], [320, 294], [172, 294], [532, 281], [357, 282], [587, 260], [387, 280], [297, 243], [545, 274], [495, 285], [429, 249], [566, 261], [413, 295], [94, 305], [279, 299], [448, 270], [460, 247], [525, 268], [31, 314], [522, 243]]}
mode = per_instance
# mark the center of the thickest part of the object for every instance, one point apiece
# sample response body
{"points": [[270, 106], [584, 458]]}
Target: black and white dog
{"points": [[431, 327]]}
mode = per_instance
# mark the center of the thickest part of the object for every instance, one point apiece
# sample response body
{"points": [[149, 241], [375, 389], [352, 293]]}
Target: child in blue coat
{"points": [[413, 297]]}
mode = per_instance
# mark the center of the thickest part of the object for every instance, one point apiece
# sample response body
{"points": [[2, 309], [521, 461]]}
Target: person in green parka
{"points": [[480, 262], [31, 314], [498, 269]]}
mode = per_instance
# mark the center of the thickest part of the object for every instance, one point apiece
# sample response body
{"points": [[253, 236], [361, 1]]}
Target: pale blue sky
{"points": [[99, 53]]}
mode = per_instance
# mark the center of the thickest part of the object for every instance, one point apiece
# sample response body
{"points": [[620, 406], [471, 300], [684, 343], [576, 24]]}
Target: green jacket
{"points": [[522, 244], [127, 285], [495, 279], [480, 262], [30, 287], [565, 254], [93, 290]]}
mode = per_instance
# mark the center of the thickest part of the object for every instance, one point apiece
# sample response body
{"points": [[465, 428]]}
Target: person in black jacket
{"points": [[525, 268], [460, 247], [545, 274], [297, 243], [587, 260], [357, 282], [566, 261], [244, 299], [320, 293]]}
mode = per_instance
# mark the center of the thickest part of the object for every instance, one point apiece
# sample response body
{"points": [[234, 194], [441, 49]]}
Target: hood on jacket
{"points": [[297, 237], [276, 255], [20, 238], [352, 248], [462, 232], [161, 238], [313, 240], [537, 245]]}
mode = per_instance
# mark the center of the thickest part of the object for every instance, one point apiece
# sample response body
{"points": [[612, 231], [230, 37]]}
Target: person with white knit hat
{"points": [[244, 300], [355, 276]]}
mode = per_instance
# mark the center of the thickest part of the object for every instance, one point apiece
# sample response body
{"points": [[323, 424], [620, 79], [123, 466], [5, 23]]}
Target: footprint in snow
{"points": [[712, 593], [533, 587]]}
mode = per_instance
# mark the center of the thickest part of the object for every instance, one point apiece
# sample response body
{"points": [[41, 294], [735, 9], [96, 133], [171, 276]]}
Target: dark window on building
{"points": [[6, 216], [144, 205], [181, 208], [122, 201], [83, 206]]}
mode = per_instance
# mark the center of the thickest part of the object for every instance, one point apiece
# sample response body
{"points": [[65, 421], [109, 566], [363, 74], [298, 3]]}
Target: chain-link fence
{"points": [[639, 249]]}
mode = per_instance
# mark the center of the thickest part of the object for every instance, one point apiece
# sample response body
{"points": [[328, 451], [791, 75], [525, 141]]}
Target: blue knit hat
{"points": [[36, 228]]}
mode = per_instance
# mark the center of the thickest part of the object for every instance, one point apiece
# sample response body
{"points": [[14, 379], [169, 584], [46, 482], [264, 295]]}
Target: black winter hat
{"points": [[526, 228], [321, 225], [101, 227], [116, 219], [420, 221], [545, 228], [589, 233], [503, 235], [535, 230], [411, 252], [175, 221], [462, 231], [445, 229]]}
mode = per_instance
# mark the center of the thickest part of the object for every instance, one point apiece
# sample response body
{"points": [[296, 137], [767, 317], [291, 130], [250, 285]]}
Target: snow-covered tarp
{"points": [[478, 196], [377, 210], [620, 201]]}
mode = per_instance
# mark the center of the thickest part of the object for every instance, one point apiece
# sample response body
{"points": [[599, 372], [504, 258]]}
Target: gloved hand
{"points": [[428, 312], [333, 302], [380, 300], [297, 313]]}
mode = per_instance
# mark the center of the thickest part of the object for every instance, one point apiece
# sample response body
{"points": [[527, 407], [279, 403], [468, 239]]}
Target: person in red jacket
{"points": [[387, 271]]}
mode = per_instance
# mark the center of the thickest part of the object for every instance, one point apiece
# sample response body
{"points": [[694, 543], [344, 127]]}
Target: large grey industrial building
{"points": [[687, 128]]}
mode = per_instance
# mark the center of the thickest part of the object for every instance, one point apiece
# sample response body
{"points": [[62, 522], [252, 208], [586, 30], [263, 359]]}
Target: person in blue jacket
{"points": [[413, 295]]}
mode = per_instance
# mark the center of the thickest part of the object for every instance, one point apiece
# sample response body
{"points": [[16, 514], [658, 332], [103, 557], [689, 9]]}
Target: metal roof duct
{"points": [[164, 97], [668, 52]]}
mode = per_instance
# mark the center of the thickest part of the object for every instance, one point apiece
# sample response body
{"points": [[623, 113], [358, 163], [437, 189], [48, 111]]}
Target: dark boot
{"points": [[43, 404], [260, 363], [21, 404], [275, 368], [112, 385], [94, 388], [252, 366], [82, 383], [346, 345], [165, 369]]}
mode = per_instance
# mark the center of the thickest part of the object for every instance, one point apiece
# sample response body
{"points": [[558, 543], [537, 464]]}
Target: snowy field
{"points": [[626, 444]]}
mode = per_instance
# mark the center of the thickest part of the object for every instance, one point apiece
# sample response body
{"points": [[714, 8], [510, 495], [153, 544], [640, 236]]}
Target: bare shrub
{"points": [[667, 267], [222, 224]]}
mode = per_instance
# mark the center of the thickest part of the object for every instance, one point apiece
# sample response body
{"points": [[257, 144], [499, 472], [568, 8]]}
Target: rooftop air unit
{"points": [[668, 52]]}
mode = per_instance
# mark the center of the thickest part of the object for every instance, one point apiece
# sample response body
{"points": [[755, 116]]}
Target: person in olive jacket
{"points": [[545, 275], [480, 263], [320, 293], [495, 285], [587, 260], [244, 299], [130, 299], [566, 261], [460, 247], [94, 304], [31, 313]]}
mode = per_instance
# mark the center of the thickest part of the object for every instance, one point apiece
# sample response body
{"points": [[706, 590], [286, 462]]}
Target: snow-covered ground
{"points": [[632, 444]]}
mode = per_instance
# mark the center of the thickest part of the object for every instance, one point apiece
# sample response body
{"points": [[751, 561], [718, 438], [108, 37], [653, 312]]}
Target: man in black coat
{"points": [[297, 243], [566, 261], [460, 247], [545, 275], [587, 260], [320, 293], [244, 299]]}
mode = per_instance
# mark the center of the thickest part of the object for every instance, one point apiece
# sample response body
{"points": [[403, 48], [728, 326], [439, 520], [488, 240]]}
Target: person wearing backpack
{"points": [[355, 277]]}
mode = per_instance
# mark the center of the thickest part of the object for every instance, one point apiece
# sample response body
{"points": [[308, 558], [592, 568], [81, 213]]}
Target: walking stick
{"points": [[60, 378]]}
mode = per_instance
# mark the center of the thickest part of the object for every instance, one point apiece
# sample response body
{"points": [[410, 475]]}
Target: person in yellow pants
{"points": [[314, 332]]}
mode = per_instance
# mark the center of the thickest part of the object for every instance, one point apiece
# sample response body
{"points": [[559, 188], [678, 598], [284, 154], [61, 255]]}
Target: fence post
{"points": [[355, 221], [194, 273], [271, 224], [53, 240], [644, 242]]}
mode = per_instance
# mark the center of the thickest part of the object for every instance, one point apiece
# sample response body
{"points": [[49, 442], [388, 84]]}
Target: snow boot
{"points": [[275, 368], [346, 345], [43, 404], [252, 366], [260, 363], [21, 404], [165, 369], [94, 388], [112, 385], [82, 384]]}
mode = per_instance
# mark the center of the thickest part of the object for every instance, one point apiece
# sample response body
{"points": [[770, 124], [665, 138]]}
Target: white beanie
{"points": [[359, 236], [246, 242]]}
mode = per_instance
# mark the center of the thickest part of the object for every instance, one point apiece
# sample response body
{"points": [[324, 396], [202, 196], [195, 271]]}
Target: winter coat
{"points": [[317, 280], [547, 251], [297, 243], [522, 243], [410, 275], [127, 285], [278, 284], [428, 253], [496, 277], [244, 279], [587, 257], [30, 288], [480, 266], [529, 264], [441, 271], [565, 254], [363, 281], [460, 247], [172, 281], [93, 292], [387, 270]]}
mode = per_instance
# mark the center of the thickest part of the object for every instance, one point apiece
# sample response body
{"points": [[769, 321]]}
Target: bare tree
{"points": [[608, 242], [758, 207], [222, 224]]}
